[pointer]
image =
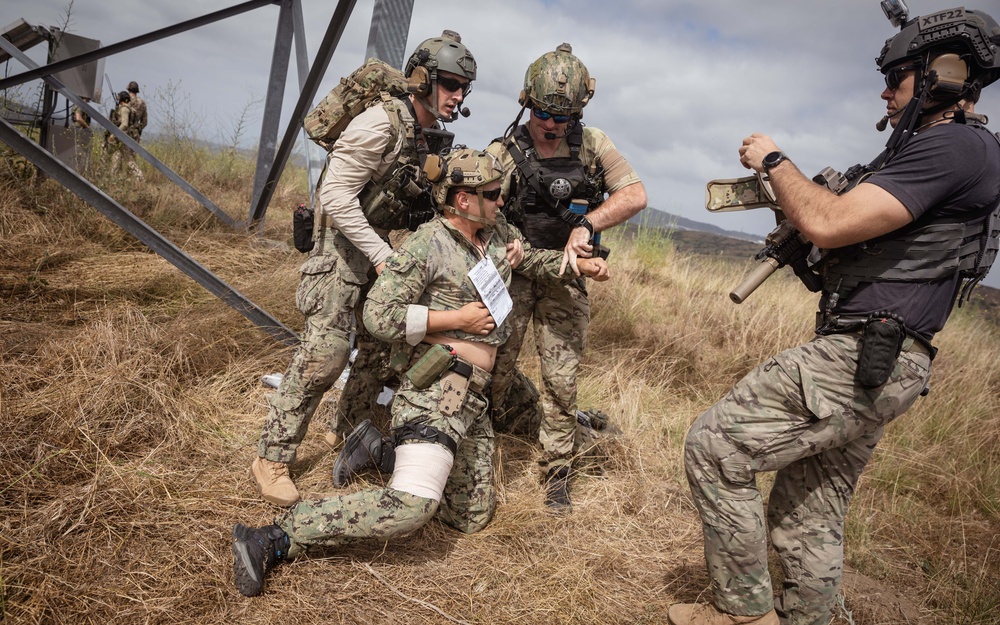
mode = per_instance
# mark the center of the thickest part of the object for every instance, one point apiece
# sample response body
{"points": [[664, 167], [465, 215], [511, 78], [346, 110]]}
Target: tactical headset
{"points": [[418, 77], [949, 75]]}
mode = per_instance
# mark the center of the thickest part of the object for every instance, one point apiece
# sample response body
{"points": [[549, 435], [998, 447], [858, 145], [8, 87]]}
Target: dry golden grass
{"points": [[132, 403]]}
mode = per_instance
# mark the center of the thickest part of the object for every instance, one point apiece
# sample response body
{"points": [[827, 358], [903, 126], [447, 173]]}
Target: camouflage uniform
{"points": [[139, 114], [561, 313], [803, 415], [334, 281], [123, 117], [430, 269], [80, 118]]}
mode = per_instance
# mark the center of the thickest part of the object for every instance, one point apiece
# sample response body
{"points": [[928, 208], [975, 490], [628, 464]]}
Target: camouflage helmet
{"points": [[445, 53], [558, 82], [463, 167], [973, 35]]}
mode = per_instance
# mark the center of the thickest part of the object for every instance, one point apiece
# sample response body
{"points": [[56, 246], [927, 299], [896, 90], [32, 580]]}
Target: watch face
{"points": [[772, 159]]}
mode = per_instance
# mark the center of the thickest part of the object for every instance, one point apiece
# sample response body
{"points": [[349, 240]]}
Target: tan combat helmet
{"points": [[558, 82], [445, 54], [465, 168]]}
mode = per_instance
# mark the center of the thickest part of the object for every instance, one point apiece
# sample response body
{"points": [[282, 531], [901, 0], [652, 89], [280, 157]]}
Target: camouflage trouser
{"points": [[521, 411], [370, 372], [561, 315], [469, 496], [803, 415], [332, 284]]}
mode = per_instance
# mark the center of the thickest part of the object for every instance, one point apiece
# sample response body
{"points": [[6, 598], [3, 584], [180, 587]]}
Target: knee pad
{"points": [[422, 469]]}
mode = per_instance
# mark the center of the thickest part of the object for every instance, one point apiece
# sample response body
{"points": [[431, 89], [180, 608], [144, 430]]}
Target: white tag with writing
{"points": [[492, 289]]}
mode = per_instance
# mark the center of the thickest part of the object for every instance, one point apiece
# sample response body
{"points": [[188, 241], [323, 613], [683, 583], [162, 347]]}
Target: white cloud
{"points": [[679, 83]]}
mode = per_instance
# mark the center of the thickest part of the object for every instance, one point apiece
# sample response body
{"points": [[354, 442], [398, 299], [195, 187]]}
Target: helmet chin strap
{"points": [[433, 109], [911, 114], [481, 218]]}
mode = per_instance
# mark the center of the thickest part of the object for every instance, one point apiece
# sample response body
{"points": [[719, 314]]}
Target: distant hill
{"points": [[654, 217]]}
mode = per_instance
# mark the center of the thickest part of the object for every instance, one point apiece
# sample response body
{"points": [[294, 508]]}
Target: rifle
{"points": [[784, 245]]}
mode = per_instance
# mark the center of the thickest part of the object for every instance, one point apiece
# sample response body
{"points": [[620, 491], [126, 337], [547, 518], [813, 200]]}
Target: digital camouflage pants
{"points": [[333, 283], [370, 372], [469, 497], [561, 314], [800, 414]]}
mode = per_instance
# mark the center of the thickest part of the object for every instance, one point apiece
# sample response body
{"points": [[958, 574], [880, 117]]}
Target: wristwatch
{"points": [[773, 159]]}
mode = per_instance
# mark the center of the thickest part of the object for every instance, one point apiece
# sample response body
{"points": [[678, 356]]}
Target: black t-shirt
{"points": [[949, 170]]}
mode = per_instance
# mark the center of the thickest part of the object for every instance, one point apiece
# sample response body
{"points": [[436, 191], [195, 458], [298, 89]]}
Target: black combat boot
{"points": [[557, 489], [255, 551], [363, 447]]}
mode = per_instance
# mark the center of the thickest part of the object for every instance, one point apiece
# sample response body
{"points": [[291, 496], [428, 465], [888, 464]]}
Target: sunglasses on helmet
{"points": [[894, 76], [452, 84], [544, 115]]}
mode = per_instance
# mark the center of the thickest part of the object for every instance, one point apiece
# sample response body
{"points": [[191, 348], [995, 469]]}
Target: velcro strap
{"points": [[422, 432]]}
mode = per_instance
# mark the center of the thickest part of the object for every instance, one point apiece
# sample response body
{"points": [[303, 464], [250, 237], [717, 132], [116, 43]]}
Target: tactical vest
{"points": [[386, 202], [543, 187], [928, 249]]}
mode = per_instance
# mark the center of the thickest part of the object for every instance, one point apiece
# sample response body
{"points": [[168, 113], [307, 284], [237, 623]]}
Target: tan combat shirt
{"points": [[359, 156]]}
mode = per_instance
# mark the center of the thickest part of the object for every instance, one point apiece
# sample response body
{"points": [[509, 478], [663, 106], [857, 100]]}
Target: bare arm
{"points": [[828, 220], [620, 206]]}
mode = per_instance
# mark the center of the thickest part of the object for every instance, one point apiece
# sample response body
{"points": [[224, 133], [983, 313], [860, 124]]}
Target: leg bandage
{"points": [[422, 469]]}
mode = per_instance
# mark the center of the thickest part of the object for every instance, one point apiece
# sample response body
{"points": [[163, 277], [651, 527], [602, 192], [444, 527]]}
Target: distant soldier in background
{"points": [[139, 114], [122, 116], [80, 118]]}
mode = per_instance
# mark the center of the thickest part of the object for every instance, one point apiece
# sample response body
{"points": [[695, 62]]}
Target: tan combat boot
{"points": [[703, 614], [273, 482]]}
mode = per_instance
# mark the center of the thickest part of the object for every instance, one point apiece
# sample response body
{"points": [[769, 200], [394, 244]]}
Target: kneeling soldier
{"points": [[442, 294]]}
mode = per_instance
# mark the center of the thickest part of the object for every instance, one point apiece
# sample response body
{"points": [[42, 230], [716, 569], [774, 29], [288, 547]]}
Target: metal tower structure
{"points": [[387, 40]]}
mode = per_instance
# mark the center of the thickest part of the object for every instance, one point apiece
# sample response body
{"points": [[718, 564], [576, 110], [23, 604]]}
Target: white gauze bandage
{"points": [[422, 469], [416, 323]]}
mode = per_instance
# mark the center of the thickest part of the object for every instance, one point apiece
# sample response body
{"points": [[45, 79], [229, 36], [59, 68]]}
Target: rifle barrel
{"points": [[754, 279]]}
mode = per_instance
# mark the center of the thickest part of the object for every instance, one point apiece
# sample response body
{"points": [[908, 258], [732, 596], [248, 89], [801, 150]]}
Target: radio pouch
{"points": [[302, 228], [881, 341], [431, 365]]}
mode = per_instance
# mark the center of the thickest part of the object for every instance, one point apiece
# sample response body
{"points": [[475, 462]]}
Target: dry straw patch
{"points": [[132, 405]]}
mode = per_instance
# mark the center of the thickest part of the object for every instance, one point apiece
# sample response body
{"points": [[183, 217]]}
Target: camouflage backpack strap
{"points": [[386, 202], [397, 121]]}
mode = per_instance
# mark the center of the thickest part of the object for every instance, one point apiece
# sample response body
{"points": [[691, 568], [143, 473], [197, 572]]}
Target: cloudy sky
{"points": [[680, 83]]}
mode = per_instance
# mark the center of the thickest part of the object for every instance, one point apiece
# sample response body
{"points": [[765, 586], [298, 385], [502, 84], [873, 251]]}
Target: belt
{"points": [[479, 378], [854, 325], [911, 344]]}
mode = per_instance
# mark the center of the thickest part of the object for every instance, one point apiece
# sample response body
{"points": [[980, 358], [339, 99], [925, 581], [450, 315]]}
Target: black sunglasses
{"points": [[894, 76], [452, 84], [491, 195], [544, 115]]}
